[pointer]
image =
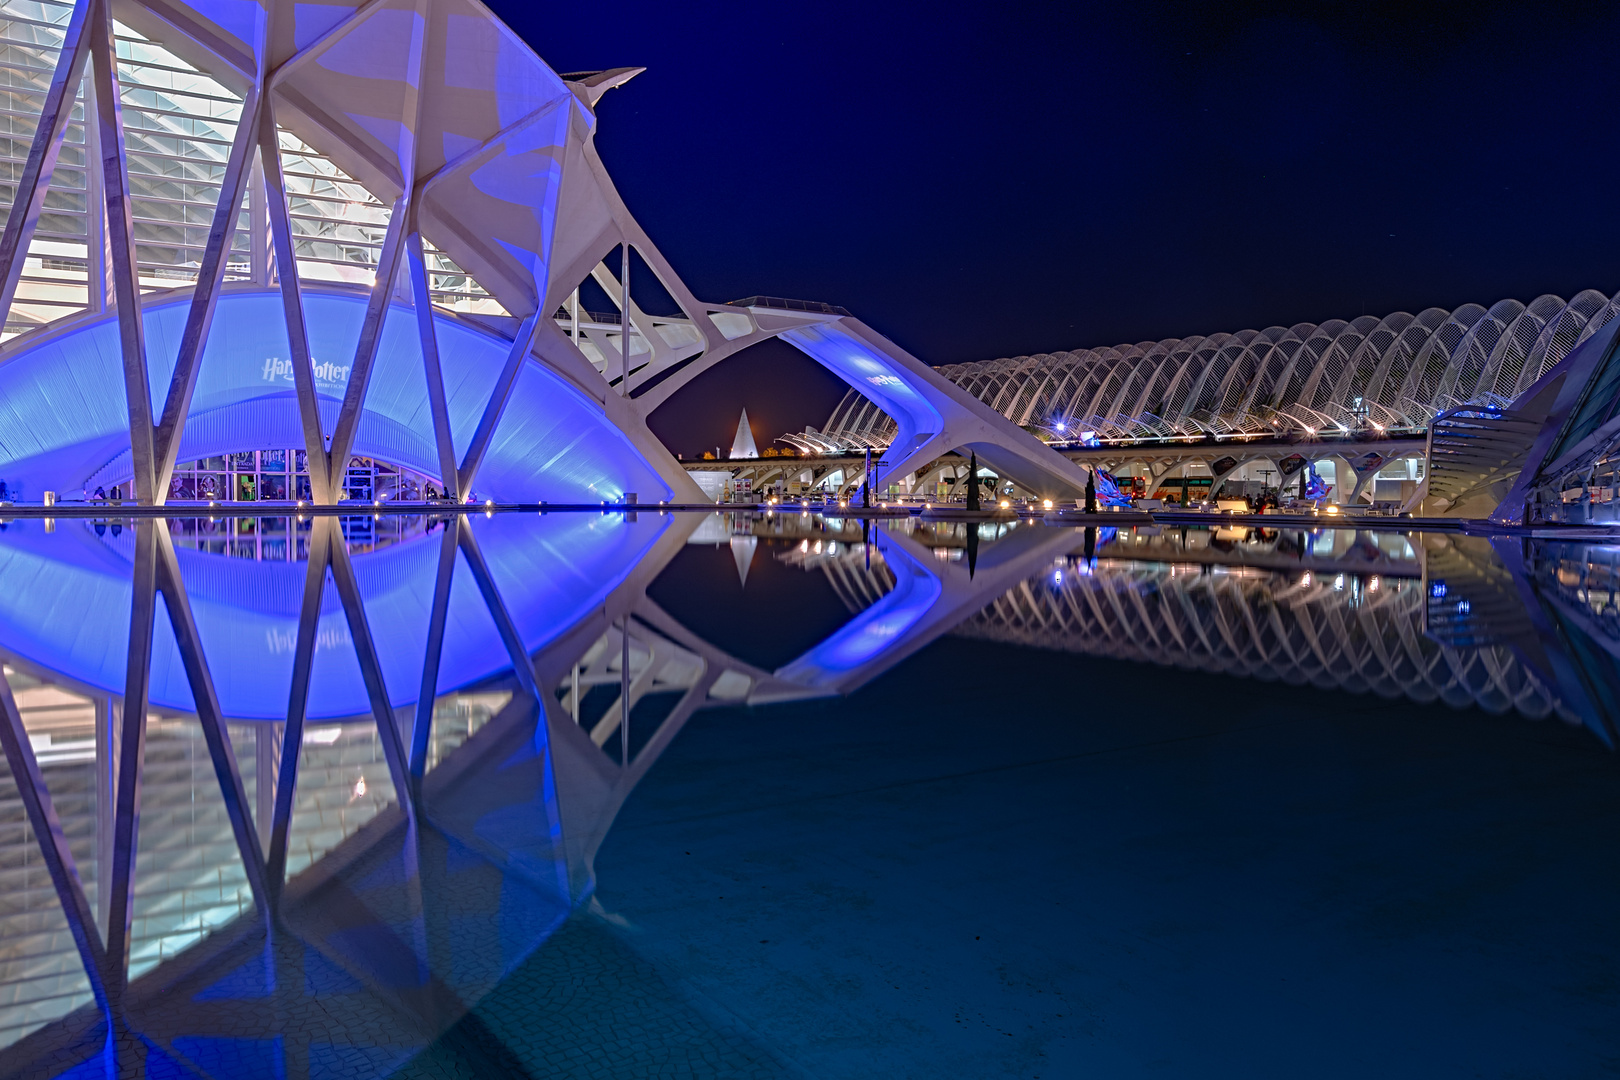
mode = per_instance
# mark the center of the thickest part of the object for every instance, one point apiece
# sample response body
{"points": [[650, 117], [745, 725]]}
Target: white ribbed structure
{"points": [[1404, 367], [1302, 379], [1278, 627]]}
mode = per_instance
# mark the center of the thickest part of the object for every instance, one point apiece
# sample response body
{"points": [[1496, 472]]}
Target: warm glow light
{"points": [[1332, 509], [1005, 504], [1047, 504]]}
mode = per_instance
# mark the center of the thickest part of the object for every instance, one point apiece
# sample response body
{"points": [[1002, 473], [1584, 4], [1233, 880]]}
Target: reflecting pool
{"points": [[624, 794]]}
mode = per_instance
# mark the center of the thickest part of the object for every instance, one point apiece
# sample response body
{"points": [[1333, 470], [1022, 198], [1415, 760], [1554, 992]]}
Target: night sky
{"points": [[990, 180]]}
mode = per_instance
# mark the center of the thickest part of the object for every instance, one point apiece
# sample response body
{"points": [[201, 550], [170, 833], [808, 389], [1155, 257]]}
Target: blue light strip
{"points": [[64, 424], [880, 628]]}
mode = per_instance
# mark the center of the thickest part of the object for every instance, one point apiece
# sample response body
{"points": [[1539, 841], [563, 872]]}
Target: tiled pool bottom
{"points": [[996, 862]]}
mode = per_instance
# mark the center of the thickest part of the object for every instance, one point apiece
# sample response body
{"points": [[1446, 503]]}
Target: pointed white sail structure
{"points": [[743, 445], [742, 552]]}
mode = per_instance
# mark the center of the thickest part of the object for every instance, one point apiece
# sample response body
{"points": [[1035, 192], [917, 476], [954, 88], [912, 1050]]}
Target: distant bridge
{"points": [[1163, 462]]}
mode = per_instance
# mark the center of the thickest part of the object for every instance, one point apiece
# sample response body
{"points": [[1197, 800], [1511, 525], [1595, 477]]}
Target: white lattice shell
{"points": [[1305, 378]]}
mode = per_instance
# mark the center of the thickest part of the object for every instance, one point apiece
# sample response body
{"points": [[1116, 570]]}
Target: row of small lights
{"points": [[1307, 578]]}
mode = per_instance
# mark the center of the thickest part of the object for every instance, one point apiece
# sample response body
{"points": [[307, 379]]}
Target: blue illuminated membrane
{"points": [[65, 424], [875, 375], [551, 571], [875, 631]]}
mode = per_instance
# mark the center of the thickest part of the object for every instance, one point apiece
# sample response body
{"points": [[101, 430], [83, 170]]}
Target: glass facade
{"points": [[282, 475], [286, 539]]}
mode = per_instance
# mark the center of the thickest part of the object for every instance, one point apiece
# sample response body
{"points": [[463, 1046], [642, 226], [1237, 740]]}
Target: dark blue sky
{"points": [[994, 179]]}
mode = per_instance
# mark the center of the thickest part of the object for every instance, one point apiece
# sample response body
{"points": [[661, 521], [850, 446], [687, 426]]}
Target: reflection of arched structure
{"points": [[366, 841], [1288, 627], [395, 915], [249, 610]]}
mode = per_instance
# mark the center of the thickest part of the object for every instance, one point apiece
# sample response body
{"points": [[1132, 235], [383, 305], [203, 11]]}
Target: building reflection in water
{"points": [[1356, 625], [255, 896]]}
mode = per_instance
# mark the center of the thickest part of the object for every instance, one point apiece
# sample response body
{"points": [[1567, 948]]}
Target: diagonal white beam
{"points": [[438, 408], [53, 844], [365, 351], [292, 736], [292, 305], [522, 666], [131, 757], [209, 715], [486, 150], [189, 27], [325, 41], [205, 297], [498, 397], [365, 651], [421, 727], [43, 153], [121, 242]]}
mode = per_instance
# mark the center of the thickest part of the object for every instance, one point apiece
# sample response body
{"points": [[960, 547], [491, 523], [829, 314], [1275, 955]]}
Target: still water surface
{"points": [[786, 795]]}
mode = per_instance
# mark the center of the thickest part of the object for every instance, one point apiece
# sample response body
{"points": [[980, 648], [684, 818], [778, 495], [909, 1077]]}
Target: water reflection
{"points": [[414, 734], [1353, 621]]}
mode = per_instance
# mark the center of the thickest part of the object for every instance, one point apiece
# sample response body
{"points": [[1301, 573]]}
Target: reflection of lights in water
{"points": [[818, 547], [1338, 583], [1372, 585], [1305, 581], [359, 789]]}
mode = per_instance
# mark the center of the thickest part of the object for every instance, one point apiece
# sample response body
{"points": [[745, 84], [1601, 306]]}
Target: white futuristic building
{"points": [[1382, 375], [352, 236], [743, 445]]}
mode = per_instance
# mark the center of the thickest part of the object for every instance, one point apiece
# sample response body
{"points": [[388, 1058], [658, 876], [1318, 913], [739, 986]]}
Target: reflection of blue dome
{"points": [[66, 424], [550, 572]]}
